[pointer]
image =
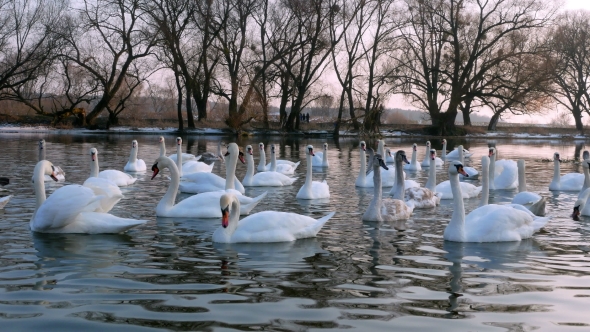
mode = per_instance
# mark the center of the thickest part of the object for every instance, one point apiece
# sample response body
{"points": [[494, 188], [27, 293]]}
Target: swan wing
{"points": [[64, 206], [271, 179], [117, 177], [498, 223], [99, 223], [108, 190], [572, 182], [4, 200]]}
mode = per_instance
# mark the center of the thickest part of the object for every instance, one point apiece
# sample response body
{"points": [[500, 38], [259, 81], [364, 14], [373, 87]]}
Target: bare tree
{"points": [[111, 36], [451, 44], [570, 46]]}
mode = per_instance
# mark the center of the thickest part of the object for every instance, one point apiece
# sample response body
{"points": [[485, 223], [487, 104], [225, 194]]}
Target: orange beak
{"points": [[156, 170], [225, 217]]}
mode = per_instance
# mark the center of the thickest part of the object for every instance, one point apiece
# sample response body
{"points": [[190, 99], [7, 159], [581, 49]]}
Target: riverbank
{"points": [[309, 130]]}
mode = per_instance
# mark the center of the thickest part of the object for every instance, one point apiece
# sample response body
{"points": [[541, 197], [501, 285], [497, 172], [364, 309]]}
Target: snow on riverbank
{"points": [[8, 128]]}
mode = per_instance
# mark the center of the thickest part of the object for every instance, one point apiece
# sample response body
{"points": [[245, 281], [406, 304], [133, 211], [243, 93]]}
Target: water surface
{"points": [[370, 276]]}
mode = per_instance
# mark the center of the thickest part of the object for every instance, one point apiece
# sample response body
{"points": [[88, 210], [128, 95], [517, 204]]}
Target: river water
{"points": [[169, 275]]}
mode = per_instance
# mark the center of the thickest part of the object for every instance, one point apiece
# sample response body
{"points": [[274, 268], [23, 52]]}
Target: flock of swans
{"points": [[85, 208]]}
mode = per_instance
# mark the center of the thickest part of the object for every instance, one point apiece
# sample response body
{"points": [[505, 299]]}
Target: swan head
{"points": [[444, 141], [155, 169], [491, 152], [309, 150], [585, 155], [161, 139], [401, 156], [427, 144], [272, 149], [388, 152], [325, 146], [93, 154], [576, 213], [134, 144], [249, 149], [41, 144], [556, 156], [457, 168], [232, 149], [432, 153], [178, 141], [363, 146], [378, 162], [225, 204], [261, 146], [415, 147], [48, 169]]}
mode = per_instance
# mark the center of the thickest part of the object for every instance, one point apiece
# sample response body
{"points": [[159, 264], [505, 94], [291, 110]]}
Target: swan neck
{"points": [[399, 186], [41, 154], [325, 157], [586, 177], [308, 175], [457, 224], [414, 157], [522, 177], [39, 184], [373, 212], [485, 183], [461, 156], [230, 171], [234, 217], [444, 150], [363, 171], [262, 163], [162, 149], [431, 182], [133, 155], [170, 196], [556, 170], [273, 162], [492, 172], [249, 168], [94, 167]]}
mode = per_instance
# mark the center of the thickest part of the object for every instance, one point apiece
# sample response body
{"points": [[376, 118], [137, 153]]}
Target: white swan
{"points": [[283, 168], [210, 156], [185, 156], [414, 165], [567, 182], [115, 176], [488, 223], [384, 209], [134, 164], [425, 197], [263, 166], [312, 189], [472, 172], [453, 154], [381, 147], [189, 166], [444, 188], [266, 226], [389, 157], [503, 173], [59, 173], [581, 206], [321, 158], [365, 177], [400, 186], [264, 179], [203, 205], [202, 182], [426, 162], [532, 201], [72, 209], [485, 192]]}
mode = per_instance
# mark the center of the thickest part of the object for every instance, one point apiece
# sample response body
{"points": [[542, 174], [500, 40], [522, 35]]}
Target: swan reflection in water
{"points": [[276, 257], [71, 256], [485, 257]]}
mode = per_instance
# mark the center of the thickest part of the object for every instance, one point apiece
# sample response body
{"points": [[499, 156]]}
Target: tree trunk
{"points": [[179, 104], [578, 119], [466, 109], [494, 121], [340, 111], [445, 123]]}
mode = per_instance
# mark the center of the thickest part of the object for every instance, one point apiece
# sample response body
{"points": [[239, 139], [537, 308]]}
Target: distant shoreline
{"points": [[520, 133]]}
